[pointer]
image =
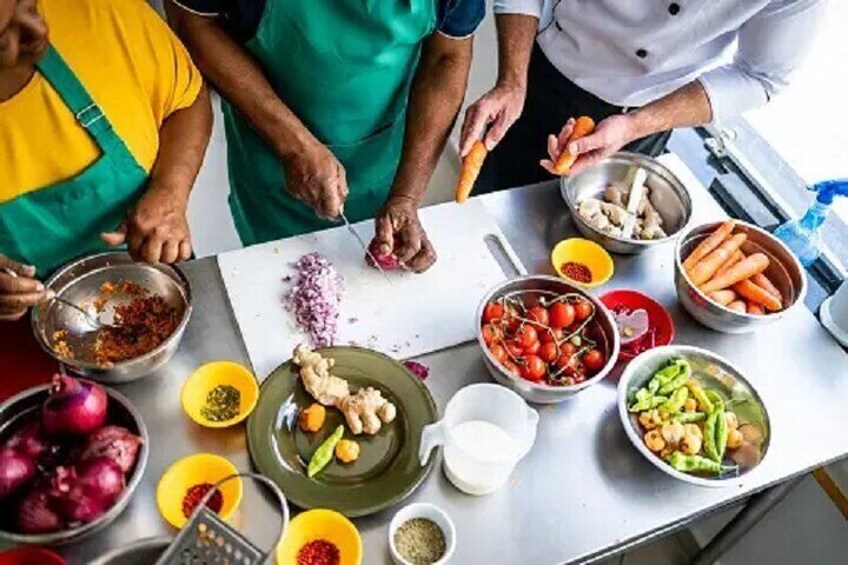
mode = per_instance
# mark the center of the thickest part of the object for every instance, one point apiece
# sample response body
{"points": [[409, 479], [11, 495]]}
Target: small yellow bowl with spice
{"points": [[185, 482], [582, 262], [320, 533], [219, 394]]}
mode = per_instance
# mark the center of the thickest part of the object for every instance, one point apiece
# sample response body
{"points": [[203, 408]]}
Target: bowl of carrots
{"points": [[734, 277]]}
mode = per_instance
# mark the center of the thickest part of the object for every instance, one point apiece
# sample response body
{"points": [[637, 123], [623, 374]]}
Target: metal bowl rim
{"points": [[182, 281], [112, 554], [639, 159], [671, 350], [795, 264], [74, 534], [570, 389]]}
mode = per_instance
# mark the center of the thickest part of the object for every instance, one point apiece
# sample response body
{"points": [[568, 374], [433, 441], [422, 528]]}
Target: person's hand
{"points": [[315, 177], [609, 136], [156, 229], [499, 109], [20, 291], [398, 223]]}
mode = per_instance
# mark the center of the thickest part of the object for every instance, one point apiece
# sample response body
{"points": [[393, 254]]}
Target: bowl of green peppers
{"points": [[693, 415]]}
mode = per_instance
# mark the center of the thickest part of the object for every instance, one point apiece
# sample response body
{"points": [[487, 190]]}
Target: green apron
{"points": [[344, 67], [54, 224]]}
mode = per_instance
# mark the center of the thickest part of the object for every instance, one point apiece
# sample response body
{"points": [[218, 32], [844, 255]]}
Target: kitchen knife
{"points": [[364, 247]]}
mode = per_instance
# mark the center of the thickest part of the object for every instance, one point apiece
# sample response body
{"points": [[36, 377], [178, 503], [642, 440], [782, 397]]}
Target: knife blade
{"points": [[364, 247]]}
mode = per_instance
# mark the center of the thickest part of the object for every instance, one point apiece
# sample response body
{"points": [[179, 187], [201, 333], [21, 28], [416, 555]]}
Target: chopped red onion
{"points": [[315, 298], [418, 369]]}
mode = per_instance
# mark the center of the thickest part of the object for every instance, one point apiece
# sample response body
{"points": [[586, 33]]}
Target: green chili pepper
{"points": [[710, 427], [721, 432], [683, 374], [675, 402], [695, 464], [324, 454], [716, 399], [690, 417], [641, 401], [701, 396], [664, 375]]}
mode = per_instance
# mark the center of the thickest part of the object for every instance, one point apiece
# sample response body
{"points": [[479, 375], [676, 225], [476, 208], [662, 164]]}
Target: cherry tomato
{"points": [[514, 348], [498, 352], [568, 364], [582, 310], [493, 311], [547, 335], [533, 349], [534, 368], [511, 368], [568, 349], [593, 360], [526, 336], [539, 315], [491, 334], [549, 352], [562, 315]]}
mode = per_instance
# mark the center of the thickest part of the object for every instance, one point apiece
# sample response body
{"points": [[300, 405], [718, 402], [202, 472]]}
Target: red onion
{"points": [[16, 470], [418, 369], [86, 493], [386, 262], [115, 443], [315, 298], [75, 407], [36, 514], [28, 441]]}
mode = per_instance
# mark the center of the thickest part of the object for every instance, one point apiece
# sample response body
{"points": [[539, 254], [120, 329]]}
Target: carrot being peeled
{"points": [[763, 281], [583, 126], [707, 267], [738, 306], [746, 268], [758, 295], [709, 244], [754, 308], [735, 258], [723, 297], [471, 166]]}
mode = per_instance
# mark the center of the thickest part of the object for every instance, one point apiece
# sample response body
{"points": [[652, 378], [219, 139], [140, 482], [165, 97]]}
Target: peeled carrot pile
{"points": [[583, 126], [757, 295], [723, 297], [471, 166], [735, 258], [708, 245], [709, 265], [738, 306], [763, 281]]}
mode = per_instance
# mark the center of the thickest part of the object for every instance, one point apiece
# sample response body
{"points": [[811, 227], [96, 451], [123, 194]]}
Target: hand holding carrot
{"points": [[579, 146]]}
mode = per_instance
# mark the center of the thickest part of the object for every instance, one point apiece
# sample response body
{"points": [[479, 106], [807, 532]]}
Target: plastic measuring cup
{"points": [[485, 432]]}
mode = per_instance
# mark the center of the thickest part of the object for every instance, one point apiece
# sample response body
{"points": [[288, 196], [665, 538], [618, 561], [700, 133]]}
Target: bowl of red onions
{"points": [[71, 455], [642, 322]]}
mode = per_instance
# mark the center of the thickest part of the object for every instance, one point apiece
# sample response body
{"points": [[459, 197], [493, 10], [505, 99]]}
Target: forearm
{"points": [[687, 106], [240, 79], [183, 138], [516, 34], [437, 92]]}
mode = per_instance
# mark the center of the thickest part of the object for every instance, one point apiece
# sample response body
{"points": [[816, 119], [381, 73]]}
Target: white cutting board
{"points": [[410, 316]]}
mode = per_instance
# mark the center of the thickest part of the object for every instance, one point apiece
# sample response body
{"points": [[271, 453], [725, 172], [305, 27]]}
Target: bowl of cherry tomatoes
{"points": [[546, 339]]}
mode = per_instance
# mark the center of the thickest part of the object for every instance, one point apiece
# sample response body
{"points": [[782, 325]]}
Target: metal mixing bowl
{"points": [[548, 286], [668, 195], [80, 282], [24, 406], [723, 376], [784, 270], [142, 552]]}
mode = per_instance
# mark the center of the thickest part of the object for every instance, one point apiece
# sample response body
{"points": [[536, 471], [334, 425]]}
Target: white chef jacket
{"points": [[631, 52]]}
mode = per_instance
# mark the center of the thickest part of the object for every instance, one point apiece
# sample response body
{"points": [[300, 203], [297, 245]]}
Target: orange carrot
{"points": [[762, 280], [735, 258], [471, 166], [754, 308], [709, 244], [746, 268], [707, 267], [757, 294], [738, 306], [583, 126], [723, 297]]}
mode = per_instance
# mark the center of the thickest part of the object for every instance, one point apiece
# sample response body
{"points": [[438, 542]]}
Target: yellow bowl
{"points": [[588, 253], [192, 470], [320, 524], [210, 375]]}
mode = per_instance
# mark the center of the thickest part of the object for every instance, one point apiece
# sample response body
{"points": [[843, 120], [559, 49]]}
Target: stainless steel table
{"points": [[583, 492]]}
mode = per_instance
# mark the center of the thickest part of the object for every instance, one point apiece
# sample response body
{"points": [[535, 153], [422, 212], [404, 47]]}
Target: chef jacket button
{"points": [[674, 8], [641, 53]]}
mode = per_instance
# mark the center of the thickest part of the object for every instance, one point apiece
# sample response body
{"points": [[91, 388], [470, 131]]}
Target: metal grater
{"points": [[207, 540]]}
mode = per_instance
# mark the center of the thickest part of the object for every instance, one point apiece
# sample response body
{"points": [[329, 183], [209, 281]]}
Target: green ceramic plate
{"points": [[387, 470]]}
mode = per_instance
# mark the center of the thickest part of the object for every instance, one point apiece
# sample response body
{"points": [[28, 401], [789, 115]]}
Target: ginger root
{"points": [[367, 410], [327, 389]]}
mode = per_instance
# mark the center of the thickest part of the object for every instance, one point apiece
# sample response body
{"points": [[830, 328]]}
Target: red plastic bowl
{"points": [[29, 556], [658, 317]]}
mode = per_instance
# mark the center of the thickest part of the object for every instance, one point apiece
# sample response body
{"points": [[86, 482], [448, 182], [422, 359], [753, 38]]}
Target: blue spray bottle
{"points": [[802, 236]]}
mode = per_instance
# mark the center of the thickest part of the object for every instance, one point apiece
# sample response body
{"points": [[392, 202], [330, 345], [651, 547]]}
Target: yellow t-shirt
{"points": [[136, 70]]}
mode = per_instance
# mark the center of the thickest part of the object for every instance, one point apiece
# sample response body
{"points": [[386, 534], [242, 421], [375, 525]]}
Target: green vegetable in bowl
{"points": [[324, 454], [700, 395], [696, 464], [676, 402], [645, 400], [671, 377]]}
